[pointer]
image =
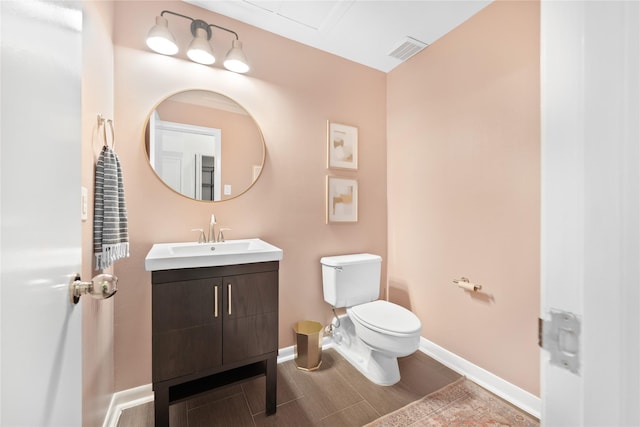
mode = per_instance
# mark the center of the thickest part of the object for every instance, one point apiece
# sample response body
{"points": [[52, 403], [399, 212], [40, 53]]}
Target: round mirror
{"points": [[204, 145]]}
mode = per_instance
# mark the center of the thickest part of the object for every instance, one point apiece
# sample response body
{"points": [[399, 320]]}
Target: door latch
{"points": [[561, 337], [102, 286]]}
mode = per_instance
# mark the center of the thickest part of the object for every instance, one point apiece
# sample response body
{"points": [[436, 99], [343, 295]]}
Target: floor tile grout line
{"points": [[334, 366], [351, 406], [246, 401], [348, 382], [188, 409], [277, 406]]}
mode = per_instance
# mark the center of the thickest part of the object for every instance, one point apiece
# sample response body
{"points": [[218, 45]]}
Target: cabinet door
{"points": [[187, 327], [250, 316]]}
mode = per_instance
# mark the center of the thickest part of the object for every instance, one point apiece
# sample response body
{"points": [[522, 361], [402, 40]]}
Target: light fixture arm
{"points": [[225, 29], [198, 23]]}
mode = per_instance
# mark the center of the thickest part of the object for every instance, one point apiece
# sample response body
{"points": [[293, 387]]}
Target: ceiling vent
{"points": [[407, 48]]}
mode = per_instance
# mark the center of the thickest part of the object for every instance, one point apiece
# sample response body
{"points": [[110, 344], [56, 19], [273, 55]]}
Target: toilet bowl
{"points": [[386, 327], [373, 333]]}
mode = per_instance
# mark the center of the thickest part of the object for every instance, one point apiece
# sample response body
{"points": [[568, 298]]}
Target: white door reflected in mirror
{"points": [[202, 144], [187, 158]]}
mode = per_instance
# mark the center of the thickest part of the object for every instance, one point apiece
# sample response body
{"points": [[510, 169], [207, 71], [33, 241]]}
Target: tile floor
{"points": [[334, 395]]}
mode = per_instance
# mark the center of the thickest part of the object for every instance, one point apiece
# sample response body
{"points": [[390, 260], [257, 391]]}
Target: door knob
{"points": [[102, 286]]}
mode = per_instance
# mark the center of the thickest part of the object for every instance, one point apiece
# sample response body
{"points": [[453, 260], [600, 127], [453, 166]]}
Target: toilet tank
{"points": [[349, 280]]}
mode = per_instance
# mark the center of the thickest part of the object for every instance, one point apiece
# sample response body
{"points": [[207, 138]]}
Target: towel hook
{"points": [[101, 123]]}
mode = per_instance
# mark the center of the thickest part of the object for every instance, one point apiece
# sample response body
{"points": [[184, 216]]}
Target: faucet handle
{"points": [[202, 238], [221, 234]]}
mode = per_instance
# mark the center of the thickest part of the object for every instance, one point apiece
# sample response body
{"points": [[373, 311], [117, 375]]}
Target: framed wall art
{"points": [[342, 200], [342, 146]]}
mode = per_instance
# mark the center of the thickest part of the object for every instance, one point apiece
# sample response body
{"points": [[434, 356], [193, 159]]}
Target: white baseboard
{"points": [[126, 399], [509, 392], [496, 385], [288, 353]]}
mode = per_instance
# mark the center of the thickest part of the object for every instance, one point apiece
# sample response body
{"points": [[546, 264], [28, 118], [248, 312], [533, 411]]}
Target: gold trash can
{"points": [[308, 345]]}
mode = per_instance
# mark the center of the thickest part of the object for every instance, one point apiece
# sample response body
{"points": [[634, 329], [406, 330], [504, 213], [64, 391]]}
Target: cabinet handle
{"points": [[229, 295], [215, 301]]}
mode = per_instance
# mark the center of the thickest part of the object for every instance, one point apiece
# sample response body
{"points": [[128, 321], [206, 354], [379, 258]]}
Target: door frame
{"points": [[590, 216]]}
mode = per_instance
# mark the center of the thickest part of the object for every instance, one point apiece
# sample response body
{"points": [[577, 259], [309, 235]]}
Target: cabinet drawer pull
{"points": [[229, 295], [215, 301]]}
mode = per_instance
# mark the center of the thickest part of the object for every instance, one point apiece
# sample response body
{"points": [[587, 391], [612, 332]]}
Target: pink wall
{"points": [[456, 127], [464, 189], [291, 91], [97, 316]]}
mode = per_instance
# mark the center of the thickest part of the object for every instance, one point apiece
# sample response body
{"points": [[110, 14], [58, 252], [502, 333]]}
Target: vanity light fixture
{"points": [[161, 40]]}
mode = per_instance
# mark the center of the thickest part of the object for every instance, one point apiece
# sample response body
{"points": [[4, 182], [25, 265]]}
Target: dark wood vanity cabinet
{"points": [[212, 326]]}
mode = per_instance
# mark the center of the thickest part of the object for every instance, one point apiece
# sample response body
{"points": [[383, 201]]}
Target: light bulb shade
{"points": [[199, 50], [236, 60], [160, 38]]}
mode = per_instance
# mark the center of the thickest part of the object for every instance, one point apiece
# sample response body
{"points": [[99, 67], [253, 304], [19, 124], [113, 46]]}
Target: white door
{"points": [[180, 145], [590, 87], [40, 233]]}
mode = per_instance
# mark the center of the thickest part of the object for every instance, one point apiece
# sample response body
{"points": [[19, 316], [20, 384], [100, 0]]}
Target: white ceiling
{"points": [[364, 31]]}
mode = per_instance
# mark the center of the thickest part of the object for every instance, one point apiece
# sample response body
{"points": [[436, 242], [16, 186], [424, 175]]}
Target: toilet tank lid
{"points": [[340, 260]]}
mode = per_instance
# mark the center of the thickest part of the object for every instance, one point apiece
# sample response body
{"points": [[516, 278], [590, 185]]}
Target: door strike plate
{"points": [[561, 337]]}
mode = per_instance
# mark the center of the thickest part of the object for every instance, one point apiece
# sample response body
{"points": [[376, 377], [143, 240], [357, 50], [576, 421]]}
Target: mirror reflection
{"points": [[204, 145]]}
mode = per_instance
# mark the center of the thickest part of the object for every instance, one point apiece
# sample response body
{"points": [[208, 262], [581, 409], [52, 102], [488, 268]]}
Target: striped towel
{"points": [[110, 231]]}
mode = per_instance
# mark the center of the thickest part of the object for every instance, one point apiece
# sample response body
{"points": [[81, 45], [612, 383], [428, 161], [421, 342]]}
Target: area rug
{"points": [[462, 403]]}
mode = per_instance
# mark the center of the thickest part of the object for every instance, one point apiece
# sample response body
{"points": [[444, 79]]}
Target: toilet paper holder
{"points": [[464, 283]]}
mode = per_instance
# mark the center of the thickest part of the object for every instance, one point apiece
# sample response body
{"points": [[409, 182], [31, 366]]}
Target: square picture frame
{"points": [[342, 146], [342, 200]]}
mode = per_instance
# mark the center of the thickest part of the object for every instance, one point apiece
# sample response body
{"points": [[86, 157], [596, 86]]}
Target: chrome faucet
{"points": [[212, 229], [221, 234], [201, 238]]}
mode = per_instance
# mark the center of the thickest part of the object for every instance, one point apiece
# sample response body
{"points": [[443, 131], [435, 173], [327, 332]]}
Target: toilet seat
{"points": [[386, 317]]}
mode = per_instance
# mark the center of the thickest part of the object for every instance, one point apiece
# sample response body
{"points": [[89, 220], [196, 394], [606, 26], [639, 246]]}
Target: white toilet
{"points": [[374, 333]]}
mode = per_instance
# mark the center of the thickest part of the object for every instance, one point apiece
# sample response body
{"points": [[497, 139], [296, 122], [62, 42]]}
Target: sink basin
{"points": [[209, 248], [169, 256]]}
